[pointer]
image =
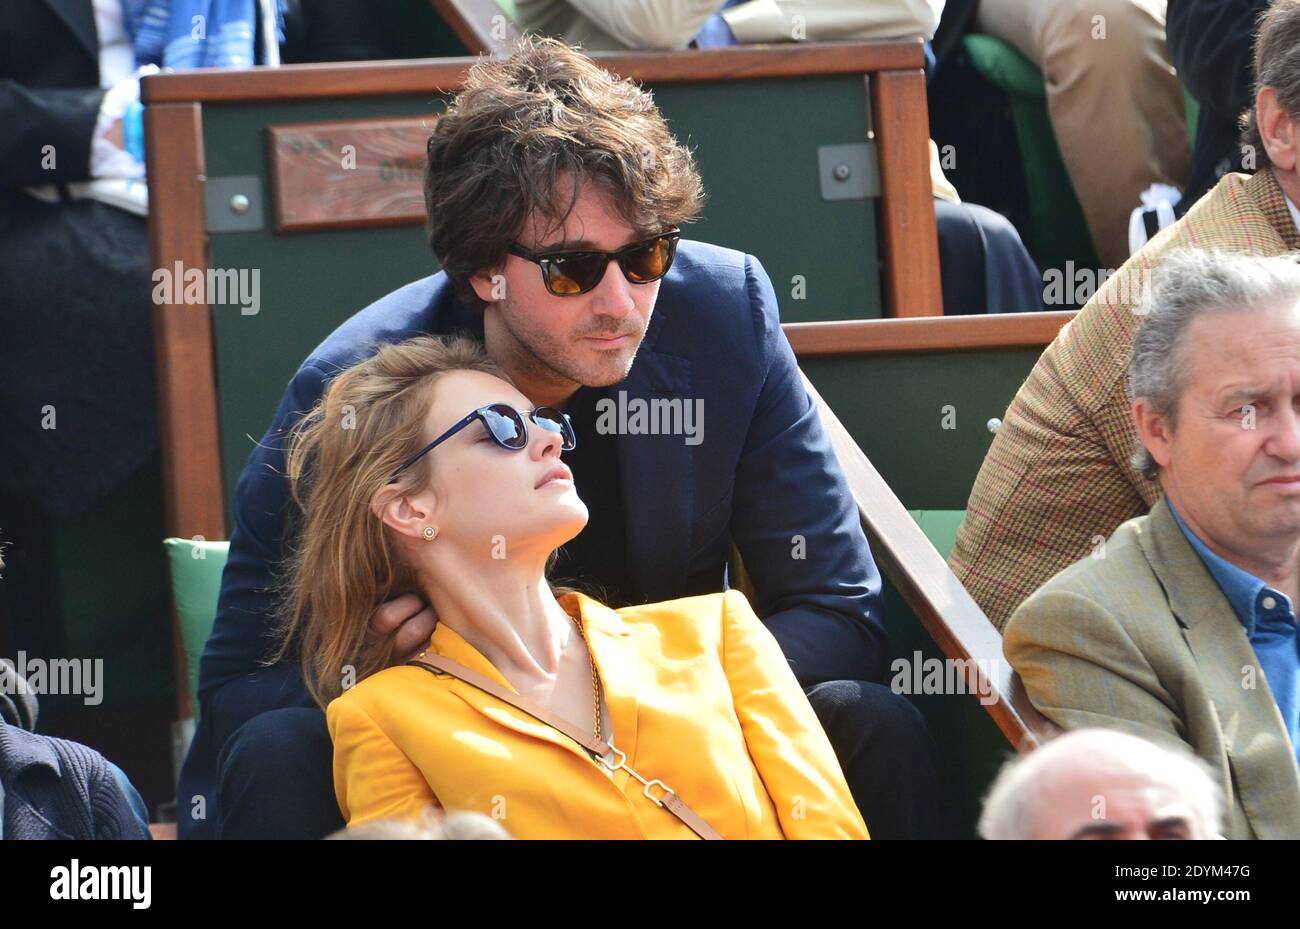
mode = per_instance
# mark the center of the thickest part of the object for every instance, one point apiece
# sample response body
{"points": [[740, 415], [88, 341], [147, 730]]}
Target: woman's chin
{"points": [[555, 524], [571, 517]]}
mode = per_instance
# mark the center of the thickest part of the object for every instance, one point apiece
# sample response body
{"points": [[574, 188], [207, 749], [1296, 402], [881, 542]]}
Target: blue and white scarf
{"points": [[196, 33]]}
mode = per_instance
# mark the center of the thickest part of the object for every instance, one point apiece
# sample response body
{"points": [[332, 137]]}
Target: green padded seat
{"points": [[196, 583], [1003, 66], [940, 527]]}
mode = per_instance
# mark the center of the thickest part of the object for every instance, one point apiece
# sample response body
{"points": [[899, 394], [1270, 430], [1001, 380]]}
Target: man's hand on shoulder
{"points": [[409, 621]]}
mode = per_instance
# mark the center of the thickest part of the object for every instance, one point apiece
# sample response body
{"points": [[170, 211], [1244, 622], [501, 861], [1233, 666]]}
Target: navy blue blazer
{"points": [[764, 474]]}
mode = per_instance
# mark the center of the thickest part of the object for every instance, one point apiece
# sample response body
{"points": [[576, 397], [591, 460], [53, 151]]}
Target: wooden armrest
{"points": [[948, 613]]}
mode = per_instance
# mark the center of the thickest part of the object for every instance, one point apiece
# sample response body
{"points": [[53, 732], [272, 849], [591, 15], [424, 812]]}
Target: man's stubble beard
{"points": [[544, 359]]}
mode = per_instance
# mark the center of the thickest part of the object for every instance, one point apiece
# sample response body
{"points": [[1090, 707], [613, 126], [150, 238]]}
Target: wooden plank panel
{"points": [[348, 173], [187, 394], [440, 75], [925, 334], [183, 332]]}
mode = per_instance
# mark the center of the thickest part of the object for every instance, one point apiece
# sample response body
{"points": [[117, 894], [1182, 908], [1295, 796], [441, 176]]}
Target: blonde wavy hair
{"points": [[341, 563]]}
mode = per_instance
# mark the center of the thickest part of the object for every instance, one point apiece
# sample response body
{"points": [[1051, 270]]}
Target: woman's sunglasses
{"points": [[568, 274], [506, 426]]}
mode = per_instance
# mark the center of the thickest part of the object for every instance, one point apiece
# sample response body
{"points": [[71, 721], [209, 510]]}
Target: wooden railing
{"points": [[923, 579]]}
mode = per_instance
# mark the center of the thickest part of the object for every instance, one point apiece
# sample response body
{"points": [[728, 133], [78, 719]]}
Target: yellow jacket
{"points": [[700, 697]]}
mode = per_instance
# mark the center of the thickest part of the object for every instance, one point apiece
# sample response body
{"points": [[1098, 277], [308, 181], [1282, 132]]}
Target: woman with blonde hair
{"points": [[422, 470]]}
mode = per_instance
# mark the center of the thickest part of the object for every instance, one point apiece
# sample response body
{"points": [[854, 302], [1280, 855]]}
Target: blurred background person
{"points": [[55, 789], [612, 24], [1114, 100], [1059, 476], [434, 825], [1101, 784], [78, 413], [1210, 44]]}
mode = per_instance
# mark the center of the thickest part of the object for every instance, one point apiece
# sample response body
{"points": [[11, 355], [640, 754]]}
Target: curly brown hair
{"points": [[520, 128]]}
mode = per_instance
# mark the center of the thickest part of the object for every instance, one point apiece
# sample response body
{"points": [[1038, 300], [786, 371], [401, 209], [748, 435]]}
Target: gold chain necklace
{"points": [[595, 677]]}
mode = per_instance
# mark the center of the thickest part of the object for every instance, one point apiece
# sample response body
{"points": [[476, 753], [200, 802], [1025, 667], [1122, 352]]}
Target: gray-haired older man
{"points": [[1058, 474], [1180, 628], [1100, 784]]}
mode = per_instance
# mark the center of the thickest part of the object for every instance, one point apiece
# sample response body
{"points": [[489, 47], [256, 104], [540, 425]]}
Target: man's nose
{"points": [[1285, 440], [613, 293]]}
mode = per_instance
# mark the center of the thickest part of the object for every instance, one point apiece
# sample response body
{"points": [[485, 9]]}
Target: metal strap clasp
{"points": [[646, 785]]}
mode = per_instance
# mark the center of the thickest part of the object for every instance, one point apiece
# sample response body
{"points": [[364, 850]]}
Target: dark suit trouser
{"points": [[275, 774]]}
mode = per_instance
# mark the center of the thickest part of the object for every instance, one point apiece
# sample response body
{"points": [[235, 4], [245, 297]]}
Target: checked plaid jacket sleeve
{"points": [[1057, 479]]}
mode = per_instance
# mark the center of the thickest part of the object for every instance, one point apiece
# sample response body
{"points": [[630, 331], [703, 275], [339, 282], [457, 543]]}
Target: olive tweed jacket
{"points": [[1142, 640], [1058, 480]]}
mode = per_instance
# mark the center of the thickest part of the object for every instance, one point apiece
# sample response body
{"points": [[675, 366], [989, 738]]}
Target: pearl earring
{"points": [[430, 533]]}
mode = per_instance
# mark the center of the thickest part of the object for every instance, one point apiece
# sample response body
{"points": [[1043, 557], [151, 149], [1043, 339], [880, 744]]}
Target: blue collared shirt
{"points": [[1269, 623], [716, 31]]}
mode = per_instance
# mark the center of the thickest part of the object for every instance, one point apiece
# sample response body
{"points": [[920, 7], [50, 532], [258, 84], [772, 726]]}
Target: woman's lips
{"points": [[558, 473]]}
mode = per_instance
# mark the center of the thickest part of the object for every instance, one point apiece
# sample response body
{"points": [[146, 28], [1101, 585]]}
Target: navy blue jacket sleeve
{"points": [[796, 525], [233, 686]]}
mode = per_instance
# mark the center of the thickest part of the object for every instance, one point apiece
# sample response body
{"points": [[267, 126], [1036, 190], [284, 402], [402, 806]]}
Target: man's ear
{"points": [[490, 284], [1153, 430], [407, 515], [1277, 129]]}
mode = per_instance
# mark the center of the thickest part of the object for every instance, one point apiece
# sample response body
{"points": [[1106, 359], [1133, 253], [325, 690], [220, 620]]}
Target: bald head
{"points": [[1102, 784]]}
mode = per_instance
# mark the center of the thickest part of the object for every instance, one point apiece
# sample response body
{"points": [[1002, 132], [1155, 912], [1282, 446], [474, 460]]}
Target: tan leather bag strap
{"points": [[598, 747]]}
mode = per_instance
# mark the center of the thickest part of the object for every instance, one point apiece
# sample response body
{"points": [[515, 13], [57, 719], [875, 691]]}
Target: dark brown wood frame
{"points": [[925, 334], [193, 488], [472, 21]]}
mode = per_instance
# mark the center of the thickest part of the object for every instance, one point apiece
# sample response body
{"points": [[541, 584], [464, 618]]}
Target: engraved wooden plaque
{"points": [[348, 173]]}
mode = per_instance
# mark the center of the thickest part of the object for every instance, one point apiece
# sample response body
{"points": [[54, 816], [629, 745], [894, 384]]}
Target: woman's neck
{"points": [[504, 608]]}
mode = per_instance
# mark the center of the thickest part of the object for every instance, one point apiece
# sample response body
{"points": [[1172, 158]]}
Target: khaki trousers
{"points": [[1115, 103]]}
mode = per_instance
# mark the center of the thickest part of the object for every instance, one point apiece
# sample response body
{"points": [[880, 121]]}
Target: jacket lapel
{"points": [[1264, 190], [1257, 742], [79, 17], [655, 472]]}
